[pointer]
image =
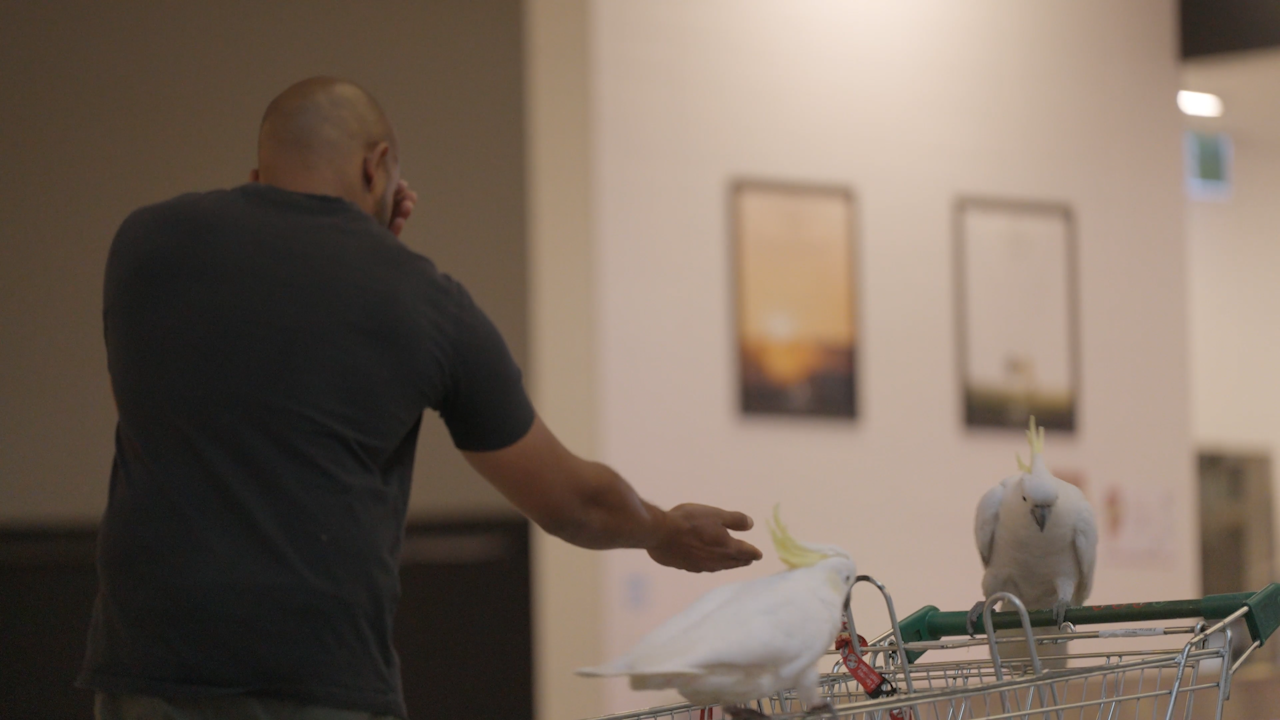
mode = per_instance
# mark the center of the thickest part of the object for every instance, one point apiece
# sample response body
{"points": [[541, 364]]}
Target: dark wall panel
{"points": [[463, 631], [47, 586], [1218, 26]]}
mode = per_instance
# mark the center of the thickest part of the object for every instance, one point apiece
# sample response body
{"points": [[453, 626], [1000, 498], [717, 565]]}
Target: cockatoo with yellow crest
{"points": [[1037, 538], [750, 639]]}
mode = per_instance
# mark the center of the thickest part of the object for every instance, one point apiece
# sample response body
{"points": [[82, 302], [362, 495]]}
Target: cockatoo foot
{"points": [[1060, 612], [975, 614], [740, 712]]}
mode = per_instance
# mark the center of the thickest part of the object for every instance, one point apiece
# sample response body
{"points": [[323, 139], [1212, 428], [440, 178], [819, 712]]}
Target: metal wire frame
{"points": [[1155, 683]]}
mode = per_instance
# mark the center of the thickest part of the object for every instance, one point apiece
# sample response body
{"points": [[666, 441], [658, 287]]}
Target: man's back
{"points": [[272, 353], [271, 349]]}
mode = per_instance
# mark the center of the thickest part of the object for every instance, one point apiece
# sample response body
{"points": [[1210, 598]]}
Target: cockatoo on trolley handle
{"points": [[1037, 538], [750, 639]]}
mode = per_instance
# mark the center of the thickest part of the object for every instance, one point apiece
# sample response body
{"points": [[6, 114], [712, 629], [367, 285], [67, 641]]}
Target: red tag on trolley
{"points": [[872, 682]]}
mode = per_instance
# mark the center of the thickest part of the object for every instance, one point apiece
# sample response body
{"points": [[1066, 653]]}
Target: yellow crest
{"points": [[1035, 436], [793, 553]]}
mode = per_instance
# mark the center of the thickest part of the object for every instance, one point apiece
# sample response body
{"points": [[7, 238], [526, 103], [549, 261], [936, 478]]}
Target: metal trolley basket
{"points": [[927, 667]]}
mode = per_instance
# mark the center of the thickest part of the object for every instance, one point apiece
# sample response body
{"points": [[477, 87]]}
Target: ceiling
{"points": [[1249, 85]]}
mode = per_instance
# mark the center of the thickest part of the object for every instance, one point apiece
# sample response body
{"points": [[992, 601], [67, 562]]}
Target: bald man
{"points": [[272, 349]]}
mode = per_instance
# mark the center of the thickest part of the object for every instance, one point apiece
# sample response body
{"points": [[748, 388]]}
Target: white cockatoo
{"points": [[1037, 538], [749, 639]]}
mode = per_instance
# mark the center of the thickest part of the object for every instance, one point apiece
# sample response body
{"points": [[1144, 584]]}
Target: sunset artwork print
{"points": [[796, 301]]}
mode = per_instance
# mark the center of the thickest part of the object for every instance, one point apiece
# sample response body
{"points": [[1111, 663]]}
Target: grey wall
{"points": [[108, 106]]}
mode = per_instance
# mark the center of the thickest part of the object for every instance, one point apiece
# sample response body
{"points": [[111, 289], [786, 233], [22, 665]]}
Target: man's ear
{"points": [[368, 171], [374, 160], [253, 176]]}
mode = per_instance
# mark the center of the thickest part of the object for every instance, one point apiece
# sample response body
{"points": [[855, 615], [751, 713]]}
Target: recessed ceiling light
{"points": [[1199, 104]]}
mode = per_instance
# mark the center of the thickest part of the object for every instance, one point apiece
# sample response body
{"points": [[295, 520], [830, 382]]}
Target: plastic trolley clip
{"points": [[873, 683]]}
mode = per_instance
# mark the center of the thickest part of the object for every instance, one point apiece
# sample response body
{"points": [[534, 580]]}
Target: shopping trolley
{"points": [[928, 666]]}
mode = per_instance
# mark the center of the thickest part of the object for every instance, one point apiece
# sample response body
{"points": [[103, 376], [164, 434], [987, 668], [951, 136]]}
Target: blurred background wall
{"points": [[110, 107], [1234, 257]]}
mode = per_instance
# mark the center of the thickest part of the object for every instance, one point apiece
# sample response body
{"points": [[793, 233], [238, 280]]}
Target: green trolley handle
{"points": [[930, 624]]}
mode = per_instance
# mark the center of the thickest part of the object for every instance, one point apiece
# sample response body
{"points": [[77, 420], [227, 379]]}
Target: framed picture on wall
{"points": [[1016, 313], [796, 299]]}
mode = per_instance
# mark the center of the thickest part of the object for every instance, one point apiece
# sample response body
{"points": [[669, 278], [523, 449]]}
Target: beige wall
{"points": [[107, 108], [1235, 263], [910, 104], [563, 343]]}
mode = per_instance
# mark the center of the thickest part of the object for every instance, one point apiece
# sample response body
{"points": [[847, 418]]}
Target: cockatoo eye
{"points": [[1024, 498]]}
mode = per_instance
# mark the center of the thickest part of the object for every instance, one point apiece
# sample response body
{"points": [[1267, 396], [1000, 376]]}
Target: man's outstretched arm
{"points": [[588, 504]]}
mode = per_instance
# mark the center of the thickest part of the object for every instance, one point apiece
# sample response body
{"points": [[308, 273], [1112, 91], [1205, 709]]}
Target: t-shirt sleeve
{"points": [[485, 406]]}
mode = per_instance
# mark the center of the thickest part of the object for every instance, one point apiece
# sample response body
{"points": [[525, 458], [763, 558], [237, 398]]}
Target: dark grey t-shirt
{"points": [[271, 355]]}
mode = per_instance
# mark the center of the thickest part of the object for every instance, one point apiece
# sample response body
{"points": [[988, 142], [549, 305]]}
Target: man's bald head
{"points": [[330, 137]]}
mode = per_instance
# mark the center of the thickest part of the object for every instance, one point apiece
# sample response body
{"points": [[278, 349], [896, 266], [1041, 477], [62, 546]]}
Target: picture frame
{"points": [[795, 298], [1017, 320]]}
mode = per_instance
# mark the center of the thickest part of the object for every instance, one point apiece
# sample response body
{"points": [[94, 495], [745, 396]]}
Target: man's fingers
{"points": [[740, 522], [401, 211], [745, 551], [738, 558], [404, 194]]}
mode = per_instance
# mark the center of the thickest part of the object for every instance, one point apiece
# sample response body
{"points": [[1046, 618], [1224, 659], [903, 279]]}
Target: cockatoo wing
{"points": [[768, 622], [1086, 549], [673, 629], [987, 518], [766, 626]]}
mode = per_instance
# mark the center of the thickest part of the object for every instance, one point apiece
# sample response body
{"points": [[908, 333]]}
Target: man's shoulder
{"points": [[184, 207]]}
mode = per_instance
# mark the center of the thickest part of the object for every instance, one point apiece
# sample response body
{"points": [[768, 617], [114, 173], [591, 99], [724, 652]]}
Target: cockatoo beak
{"points": [[1041, 515]]}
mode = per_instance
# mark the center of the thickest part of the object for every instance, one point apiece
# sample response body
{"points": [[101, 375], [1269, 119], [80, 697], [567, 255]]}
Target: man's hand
{"points": [[696, 538], [402, 207]]}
